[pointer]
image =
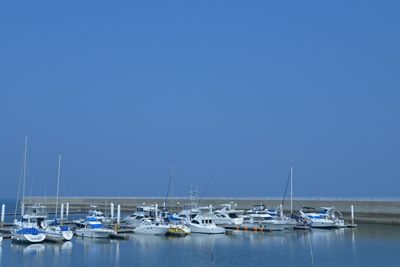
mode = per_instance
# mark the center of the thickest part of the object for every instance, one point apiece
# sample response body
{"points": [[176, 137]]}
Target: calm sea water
{"points": [[368, 245]]}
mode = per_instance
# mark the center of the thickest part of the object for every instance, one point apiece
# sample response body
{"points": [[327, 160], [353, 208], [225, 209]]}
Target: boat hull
{"points": [[203, 229], [151, 229], [327, 224], [67, 235], [54, 237], [29, 238], [98, 233]]}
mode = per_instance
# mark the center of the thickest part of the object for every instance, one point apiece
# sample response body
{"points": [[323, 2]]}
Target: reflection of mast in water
{"points": [[311, 250], [353, 243], [211, 245]]}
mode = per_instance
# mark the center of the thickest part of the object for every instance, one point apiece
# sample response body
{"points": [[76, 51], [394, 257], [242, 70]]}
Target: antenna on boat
{"points": [[291, 190], [58, 183]]}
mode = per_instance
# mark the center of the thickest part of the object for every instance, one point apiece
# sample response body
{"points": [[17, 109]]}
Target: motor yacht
{"points": [[94, 228], [201, 222], [228, 215], [325, 217]]}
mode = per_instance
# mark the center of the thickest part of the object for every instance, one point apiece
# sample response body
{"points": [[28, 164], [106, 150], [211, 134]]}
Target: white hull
{"points": [[151, 229], [324, 224], [206, 229], [227, 221], [54, 237], [67, 235], [28, 237], [94, 233], [133, 222]]}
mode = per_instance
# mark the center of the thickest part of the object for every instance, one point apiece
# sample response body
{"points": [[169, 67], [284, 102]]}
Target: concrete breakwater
{"points": [[385, 211]]}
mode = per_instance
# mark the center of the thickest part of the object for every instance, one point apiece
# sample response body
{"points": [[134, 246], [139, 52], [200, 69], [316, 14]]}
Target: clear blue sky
{"points": [[231, 92]]}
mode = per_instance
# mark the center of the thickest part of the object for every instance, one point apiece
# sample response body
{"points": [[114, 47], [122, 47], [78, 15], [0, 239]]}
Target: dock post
{"points": [[3, 209], [156, 211], [112, 211], [67, 211], [118, 216], [352, 214], [281, 210], [62, 213]]}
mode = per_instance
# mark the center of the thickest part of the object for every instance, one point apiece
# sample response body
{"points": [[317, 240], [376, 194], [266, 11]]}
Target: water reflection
{"points": [[35, 249], [341, 247]]}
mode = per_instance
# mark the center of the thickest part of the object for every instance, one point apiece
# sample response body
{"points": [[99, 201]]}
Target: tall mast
{"points": [[172, 183], [291, 190], [24, 174], [58, 182]]}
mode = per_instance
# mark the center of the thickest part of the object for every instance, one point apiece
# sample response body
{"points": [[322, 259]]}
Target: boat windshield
{"points": [[232, 215]]}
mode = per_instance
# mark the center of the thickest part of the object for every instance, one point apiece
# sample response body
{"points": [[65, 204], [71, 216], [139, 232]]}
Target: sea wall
{"points": [[385, 211]]}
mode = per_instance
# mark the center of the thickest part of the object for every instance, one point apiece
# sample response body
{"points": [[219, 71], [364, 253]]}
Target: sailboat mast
{"points": [[172, 184], [24, 175], [291, 190], [58, 182]]}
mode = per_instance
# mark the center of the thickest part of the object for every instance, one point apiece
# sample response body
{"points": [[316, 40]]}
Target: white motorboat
{"points": [[94, 228], [271, 220], [96, 214], [93, 215], [142, 212], [202, 222], [150, 227], [326, 217], [228, 215], [264, 221]]}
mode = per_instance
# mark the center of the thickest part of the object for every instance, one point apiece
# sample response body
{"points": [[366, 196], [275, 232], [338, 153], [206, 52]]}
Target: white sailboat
{"points": [[26, 230], [54, 231]]}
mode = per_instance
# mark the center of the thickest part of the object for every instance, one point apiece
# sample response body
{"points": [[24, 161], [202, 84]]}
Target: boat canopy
{"points": [[28, 231]]}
